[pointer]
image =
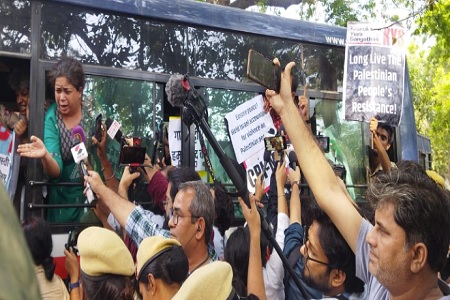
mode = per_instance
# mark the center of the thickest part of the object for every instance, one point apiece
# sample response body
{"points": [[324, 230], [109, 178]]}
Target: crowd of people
{"points": [[183, 249]]}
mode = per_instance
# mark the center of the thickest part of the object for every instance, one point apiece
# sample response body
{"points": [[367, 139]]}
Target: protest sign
{"points": [[374, 73], [248, 124], [174, 132]]}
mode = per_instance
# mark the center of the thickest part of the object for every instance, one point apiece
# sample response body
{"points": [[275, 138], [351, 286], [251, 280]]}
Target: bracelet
{"points": [[109, 177], [74, 285], [282, 195]]}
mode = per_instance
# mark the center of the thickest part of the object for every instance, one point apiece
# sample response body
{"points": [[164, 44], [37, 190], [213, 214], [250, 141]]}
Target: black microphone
{"points": [[267, 155], [176, 93], [80, 156], [293, 161]]}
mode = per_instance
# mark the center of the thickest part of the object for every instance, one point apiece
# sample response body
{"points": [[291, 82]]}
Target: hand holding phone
{"points": [[97, 130], [72, 240], [263, 71]]}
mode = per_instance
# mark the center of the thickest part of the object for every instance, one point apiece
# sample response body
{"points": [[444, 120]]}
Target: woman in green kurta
{"points": [[67, 77]]}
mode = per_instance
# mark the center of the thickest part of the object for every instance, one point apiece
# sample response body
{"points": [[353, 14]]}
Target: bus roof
{"points": [[220, 17]]}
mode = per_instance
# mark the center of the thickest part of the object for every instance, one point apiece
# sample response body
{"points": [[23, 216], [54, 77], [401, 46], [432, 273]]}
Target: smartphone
{"points": [[72, 240], [97, 128], [132, 155], [324, 143], [263, 71], [275, 143]]}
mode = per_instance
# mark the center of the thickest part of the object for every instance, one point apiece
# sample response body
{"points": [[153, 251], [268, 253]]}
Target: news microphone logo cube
{"points": [[79, 153]]}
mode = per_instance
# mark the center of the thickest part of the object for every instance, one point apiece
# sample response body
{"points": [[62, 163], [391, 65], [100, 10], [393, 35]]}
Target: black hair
{"points": [[107, 286], [39, 239], [19, 80], [338, 252], [171, 266], [224, 208], [176, 176], [237, 253], [390, 131], [421, 209], [71, 69]]}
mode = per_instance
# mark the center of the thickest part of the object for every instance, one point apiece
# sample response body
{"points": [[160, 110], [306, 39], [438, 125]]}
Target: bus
{"points": [[130, 48]]}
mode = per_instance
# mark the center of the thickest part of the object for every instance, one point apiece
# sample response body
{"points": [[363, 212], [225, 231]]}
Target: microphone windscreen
{"points": [[176, 94], [77, 133]]}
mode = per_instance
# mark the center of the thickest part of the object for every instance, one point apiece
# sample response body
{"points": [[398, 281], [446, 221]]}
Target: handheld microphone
{"points": [[293, 161], [267, 155], [80, 156], [108, 123], [176, 93]]}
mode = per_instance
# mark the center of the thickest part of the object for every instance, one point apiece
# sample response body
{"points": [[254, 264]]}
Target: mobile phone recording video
{"points": [[263, 71], [275, 143]]}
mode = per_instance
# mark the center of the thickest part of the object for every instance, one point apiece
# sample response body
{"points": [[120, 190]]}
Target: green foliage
{"points": [[440, 127], [421, 76], [436, 23]]}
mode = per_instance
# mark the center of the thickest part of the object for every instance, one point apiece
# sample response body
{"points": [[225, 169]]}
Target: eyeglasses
{"points": [[307, 257], [175, 216]]}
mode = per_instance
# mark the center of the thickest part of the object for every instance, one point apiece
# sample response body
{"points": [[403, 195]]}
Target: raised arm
{"points": [[255, 280], [280, 175], [119, 207], [315, 167], [126, 181], [295, 207], [107, 169], [381, 151]]}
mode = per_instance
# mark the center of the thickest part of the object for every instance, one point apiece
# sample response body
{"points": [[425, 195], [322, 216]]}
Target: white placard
{"points": [[174, 132], [247, 125]]}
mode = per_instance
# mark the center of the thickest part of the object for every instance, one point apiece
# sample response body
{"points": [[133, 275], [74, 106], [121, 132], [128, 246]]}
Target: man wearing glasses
{"points": [[326, 264], [191, 219]]}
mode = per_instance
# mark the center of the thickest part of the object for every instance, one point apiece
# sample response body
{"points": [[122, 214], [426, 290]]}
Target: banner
{"points": [[374, 73]]}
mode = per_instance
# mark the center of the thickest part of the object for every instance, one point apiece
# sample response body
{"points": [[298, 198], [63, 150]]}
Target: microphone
{"points": [[267, 155], [293, 161], [108, 123], [176, 91], [80, 156]]}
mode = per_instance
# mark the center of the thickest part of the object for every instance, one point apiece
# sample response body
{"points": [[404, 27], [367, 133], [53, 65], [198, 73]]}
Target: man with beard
{"points": [[400, 256], [383, 136], [326, 264]]}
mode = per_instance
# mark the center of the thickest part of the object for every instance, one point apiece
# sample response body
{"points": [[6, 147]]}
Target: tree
{"points": [[432, 81]]}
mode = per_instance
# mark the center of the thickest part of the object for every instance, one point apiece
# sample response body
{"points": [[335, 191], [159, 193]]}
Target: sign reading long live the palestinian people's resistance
{"points": [[374, 73]]}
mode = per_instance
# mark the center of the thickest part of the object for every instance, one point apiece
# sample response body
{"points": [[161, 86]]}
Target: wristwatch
{"points": [[74, 285]]}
